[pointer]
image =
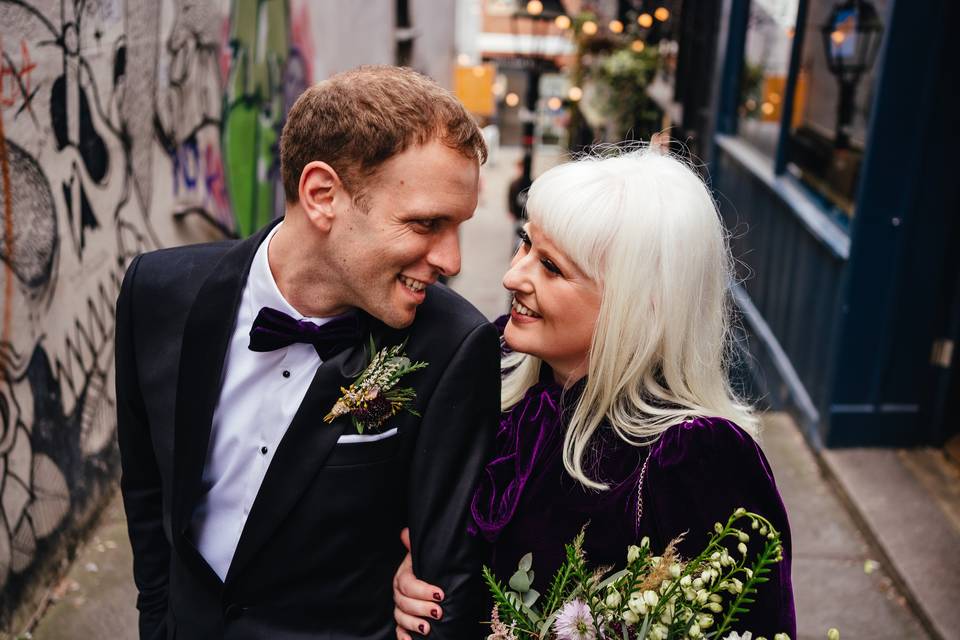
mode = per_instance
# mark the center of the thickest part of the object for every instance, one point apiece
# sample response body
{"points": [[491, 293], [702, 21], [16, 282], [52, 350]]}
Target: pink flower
{"points": [[575, 622]]}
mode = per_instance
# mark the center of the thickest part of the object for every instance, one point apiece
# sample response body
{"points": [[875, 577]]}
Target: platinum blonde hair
{"points": [[642, 224]]}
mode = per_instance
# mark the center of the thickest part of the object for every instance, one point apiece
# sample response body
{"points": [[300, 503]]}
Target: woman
{"points": [[617, 406]]}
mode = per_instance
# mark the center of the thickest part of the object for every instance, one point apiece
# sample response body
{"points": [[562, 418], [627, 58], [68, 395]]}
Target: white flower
{"points": [[613, 599], [694, 631], [633, 552], [736, 636], [650, 598], [630, 617], [833, 634], [637, 605], [575, 622], [783, 636]]}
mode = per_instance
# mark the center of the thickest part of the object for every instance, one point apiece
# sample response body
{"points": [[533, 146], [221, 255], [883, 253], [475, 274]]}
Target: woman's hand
{"points": [[414, 601]]}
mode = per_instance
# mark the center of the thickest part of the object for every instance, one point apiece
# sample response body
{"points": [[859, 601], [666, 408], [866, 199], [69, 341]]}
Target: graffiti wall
{"points": [[126, 125]]}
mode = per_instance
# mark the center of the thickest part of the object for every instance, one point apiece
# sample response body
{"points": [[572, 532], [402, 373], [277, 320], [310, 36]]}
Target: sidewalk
{"points": [[842, 577]]}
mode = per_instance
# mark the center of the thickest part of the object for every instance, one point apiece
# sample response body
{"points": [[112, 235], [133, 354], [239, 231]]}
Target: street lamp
{"points": [[851, 39], [538, 12]]}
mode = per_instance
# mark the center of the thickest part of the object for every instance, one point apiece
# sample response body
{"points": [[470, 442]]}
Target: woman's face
{"points": [[555, 306]]}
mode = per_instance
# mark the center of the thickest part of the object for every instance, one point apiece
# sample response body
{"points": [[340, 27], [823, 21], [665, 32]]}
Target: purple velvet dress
{"points": [[696, 474]]}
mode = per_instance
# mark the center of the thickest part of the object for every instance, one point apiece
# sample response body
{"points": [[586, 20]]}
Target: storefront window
{"points": [[835, 90], [763, 80]]}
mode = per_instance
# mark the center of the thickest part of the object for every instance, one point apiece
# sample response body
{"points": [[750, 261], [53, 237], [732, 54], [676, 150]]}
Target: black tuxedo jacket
{"points": [[318, 553]]}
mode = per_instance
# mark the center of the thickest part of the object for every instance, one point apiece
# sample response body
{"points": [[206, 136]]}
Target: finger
{"points": [[418, 608], [405, 538], [402, 635], [411, 623], [410, 586], [406, 567]]}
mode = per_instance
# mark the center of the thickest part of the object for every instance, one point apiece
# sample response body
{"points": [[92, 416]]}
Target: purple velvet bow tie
{"points": [[274, 330]]}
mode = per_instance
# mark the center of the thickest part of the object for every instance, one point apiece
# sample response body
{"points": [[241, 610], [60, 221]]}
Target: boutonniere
{"points": [[374, 397]]}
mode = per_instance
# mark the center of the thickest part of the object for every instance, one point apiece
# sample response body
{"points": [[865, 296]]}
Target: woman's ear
{"points": [[319, 184]]}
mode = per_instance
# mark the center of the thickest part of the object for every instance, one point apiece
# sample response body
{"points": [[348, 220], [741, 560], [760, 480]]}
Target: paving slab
{"points": [[97, 598], [838, 579], [909, 501]]}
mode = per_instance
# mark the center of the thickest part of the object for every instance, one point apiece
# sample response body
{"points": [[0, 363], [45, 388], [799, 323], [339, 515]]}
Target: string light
{"points": [[534, 7], [637, 46], [512, 99], [645, 20], [662, 14], [589, 27], [575, 93], [562, 22], [616, 26]]}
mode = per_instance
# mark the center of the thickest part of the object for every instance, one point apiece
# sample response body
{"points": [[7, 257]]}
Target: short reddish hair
{"points": [[357, 120]]}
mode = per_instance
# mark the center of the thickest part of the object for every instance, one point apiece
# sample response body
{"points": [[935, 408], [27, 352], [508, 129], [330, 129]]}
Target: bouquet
{"points": [[653, 598]]}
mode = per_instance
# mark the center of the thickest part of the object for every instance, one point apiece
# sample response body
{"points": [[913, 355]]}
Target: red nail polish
{"points": [[433, 612], [420, 627], [436, 596]]}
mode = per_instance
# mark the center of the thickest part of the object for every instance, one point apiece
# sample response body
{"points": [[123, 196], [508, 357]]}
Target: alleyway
{"points": [[838, 581]]}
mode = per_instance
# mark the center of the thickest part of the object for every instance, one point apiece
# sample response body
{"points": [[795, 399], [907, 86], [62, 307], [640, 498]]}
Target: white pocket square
{"points": [[355, 438]]}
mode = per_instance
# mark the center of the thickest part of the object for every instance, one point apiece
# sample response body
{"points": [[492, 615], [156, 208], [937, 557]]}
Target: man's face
{"points": [[388, 255]]}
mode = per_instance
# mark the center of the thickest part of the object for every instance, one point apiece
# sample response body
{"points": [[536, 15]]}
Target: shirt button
{"points": [[263, 450], [286, 374]]}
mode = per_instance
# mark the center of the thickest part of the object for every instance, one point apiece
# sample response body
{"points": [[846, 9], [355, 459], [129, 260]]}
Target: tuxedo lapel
{"points": [[301, 454], [206, 338]]}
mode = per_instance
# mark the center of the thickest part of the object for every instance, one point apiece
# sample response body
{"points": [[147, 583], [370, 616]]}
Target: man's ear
{"points": [[319, 187]]}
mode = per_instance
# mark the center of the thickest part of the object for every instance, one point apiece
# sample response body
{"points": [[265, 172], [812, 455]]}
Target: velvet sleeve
{"points": [[698, 473]]}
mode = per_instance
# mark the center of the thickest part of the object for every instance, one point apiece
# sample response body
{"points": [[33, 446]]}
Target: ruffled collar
{"points": [[526, 433]]}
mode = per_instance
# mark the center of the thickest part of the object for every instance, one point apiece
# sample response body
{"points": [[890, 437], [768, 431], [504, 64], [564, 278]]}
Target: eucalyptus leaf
{"points": [[520, 582], [530, 597], [526, 562]]}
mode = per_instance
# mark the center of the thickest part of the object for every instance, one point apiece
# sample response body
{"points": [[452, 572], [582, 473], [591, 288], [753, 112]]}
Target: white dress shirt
{"points": [[259, 396]]}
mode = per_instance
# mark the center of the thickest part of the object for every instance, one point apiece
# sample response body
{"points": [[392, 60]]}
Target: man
{"points": [[250, 515]]}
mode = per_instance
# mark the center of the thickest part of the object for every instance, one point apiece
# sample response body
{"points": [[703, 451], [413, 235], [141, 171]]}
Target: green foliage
{"points": [[652, 596]]}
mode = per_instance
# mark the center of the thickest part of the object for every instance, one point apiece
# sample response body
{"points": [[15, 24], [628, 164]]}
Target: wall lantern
{"points": [[851, 39]]}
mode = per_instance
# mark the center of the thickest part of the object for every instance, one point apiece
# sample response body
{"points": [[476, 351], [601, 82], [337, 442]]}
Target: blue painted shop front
{"points": [[845, 234]]}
